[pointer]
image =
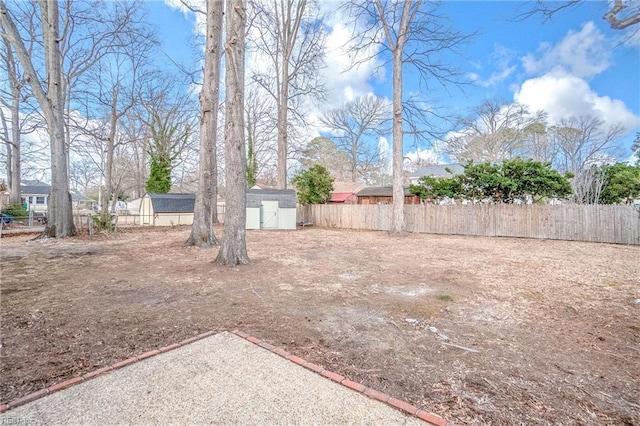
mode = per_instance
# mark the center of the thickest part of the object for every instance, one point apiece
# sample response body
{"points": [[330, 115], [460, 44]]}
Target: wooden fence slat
{"points": [[599, 223]]}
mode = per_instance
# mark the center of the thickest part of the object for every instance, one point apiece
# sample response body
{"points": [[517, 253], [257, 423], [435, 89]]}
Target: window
{"points": [[39, 200]]}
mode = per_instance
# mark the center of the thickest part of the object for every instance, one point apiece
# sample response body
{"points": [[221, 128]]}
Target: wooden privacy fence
{"points": [[597, 223]]}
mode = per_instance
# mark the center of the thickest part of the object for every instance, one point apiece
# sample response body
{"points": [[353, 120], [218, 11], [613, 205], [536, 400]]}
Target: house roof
{"points": [[35, 187], [439, 170], [347, 187], [340, 197], [286, 197], [34, 182], [172, 202], [381, 191], [76, 196]]}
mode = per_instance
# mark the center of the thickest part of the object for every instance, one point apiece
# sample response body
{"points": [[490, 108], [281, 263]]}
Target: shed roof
{"points": [[172, 202], [439, 170], [381, 191], [286, 197]]}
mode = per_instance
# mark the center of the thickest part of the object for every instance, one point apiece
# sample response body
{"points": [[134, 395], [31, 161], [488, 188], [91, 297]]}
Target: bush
{"points": [[314, 185], [103, 222], [16, 210]]}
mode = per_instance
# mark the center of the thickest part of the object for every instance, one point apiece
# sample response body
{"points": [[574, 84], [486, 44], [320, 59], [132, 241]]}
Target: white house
{"points": [[35, 195]]}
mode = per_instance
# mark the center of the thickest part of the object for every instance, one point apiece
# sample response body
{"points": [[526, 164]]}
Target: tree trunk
{"points": [[202, 234], [14, 170], [251, 155], [233, 249], [283, 131], [7, 142], [60, 214], [397, 218], [108, 167]]}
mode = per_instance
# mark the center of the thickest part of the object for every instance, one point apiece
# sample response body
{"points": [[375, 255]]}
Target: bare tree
{"points": [[289, 35], [260, 122], [493, 132], [202, 234], [621, 14], [324, 151], [137, 149], [94, 34], [588, 185], [635, 148], [356, 126], [582, 142], [51, 101], [111, 88], [233, 249], [84, 173], [619, 20], [12, 128], [413, 34], [537, 144]]}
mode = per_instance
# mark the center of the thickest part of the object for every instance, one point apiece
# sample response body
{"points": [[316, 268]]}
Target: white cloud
{"points": [[584, 53], [421, 156], [562, 95], [200, 28], [348, 70], [496, 77], [385, 155], [500, 58]]}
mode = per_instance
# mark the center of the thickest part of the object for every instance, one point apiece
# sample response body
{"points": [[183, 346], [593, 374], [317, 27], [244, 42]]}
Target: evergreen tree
{"points": [[622, 184], [159, 176], [314, 185]]}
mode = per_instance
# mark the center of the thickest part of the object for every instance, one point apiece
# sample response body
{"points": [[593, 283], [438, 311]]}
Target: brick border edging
{"points": [[75, 380], [404, 406]]}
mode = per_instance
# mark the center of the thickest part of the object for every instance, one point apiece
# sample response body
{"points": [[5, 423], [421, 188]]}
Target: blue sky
{"points": [[573, 64]]}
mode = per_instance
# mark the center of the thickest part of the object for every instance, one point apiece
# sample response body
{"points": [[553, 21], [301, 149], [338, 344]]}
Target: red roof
{"points": [[340, 197]]}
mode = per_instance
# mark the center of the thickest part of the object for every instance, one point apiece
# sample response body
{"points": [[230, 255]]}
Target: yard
{"points": [[478, 330]]}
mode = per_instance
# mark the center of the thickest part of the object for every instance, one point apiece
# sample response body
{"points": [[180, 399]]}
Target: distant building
{"points": [[384, 195], [167, 209], [35, 197], [345, 192], [271, 209]]}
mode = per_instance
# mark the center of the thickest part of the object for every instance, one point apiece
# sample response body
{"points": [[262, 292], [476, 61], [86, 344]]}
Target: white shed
{"points": [[271, 209], [167, 209]]}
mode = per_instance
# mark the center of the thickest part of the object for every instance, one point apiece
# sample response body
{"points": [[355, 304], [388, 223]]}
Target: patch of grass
{"points": [[445, 297]]}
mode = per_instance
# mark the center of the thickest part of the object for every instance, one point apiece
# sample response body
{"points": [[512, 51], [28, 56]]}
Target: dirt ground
{"points": [[478, 330]]}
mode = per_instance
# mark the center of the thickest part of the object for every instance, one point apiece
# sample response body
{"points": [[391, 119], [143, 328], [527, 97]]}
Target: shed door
{"points": [[270, 214]]}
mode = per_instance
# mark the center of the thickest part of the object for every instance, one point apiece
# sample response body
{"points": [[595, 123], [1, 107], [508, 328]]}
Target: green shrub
{"points": [[103, 222], [314, 185], [16, 210]]}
